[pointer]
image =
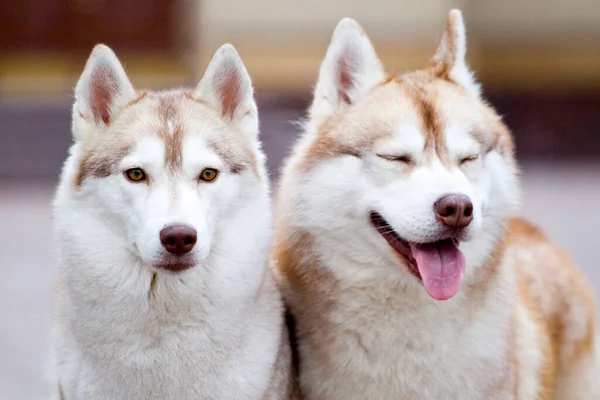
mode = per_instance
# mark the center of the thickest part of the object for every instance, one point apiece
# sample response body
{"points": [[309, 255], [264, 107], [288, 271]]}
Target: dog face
{"points": [[419, 166], [163, 172]]}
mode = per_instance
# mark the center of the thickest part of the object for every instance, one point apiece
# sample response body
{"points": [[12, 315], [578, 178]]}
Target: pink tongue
{"points": [[441, 266]]}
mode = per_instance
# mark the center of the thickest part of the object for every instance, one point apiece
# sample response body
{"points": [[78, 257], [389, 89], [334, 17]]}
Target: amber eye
{"points": [[135, 175], [209, 174]]}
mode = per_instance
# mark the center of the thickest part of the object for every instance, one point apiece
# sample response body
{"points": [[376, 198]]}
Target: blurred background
{"points": [[539, 62]]}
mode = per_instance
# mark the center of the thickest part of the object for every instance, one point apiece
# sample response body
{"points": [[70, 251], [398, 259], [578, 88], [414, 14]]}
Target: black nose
{"points": [[454, 210], [178, 239]]}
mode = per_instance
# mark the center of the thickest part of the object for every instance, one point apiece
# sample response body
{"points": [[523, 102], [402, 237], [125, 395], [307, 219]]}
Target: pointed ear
{"points": [[227, 87], [102, 90], [350, 69], [449, 58]]}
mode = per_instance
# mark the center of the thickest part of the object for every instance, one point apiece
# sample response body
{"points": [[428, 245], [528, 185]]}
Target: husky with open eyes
{"points": [[397, 253], [163, 223]]}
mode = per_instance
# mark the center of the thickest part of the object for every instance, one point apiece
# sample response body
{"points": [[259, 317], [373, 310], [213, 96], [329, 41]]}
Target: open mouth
{"points": [[439, 265]]}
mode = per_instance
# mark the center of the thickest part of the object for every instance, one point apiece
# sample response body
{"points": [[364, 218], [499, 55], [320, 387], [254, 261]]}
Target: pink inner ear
{"points": [[228, 88], [102, 93], [347, 67]]}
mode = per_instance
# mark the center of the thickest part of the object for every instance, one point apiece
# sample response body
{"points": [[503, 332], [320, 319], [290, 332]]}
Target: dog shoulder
{"points": [[549, 276], [555, 291]]}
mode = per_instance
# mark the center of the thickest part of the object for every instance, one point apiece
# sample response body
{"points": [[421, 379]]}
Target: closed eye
{"points": [[403, 158], [470, 158]]}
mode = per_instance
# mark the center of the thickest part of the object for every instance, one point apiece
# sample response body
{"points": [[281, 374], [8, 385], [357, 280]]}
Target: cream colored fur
{"points": [[522, 325]]}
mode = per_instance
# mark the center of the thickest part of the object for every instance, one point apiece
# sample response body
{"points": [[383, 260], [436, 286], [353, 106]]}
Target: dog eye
{"points": [[135, 175], [403, 158], [467, 159], [209, 174]]}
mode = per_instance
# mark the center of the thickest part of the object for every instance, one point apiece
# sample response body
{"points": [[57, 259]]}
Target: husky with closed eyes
{"points": [[397, 251], [162, 219]]}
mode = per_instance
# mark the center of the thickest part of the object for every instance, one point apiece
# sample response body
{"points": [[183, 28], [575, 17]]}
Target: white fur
{"points": [[407, 140], [388, 338], [208, 332], [531, 357], [411, 348]]}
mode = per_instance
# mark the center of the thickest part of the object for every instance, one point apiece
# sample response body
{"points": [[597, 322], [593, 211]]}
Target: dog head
{"points": [[163, 176], [413, 169]]}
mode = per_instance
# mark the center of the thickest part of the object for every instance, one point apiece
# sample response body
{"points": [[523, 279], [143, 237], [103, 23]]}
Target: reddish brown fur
{"points": [[553, 305], [557, 298], [294, 259], [423, 89]]}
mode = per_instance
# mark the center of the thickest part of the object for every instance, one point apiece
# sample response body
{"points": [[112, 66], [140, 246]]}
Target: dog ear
{"points": [[226, 86], [449, 59], [350, 69], [101, 91]]}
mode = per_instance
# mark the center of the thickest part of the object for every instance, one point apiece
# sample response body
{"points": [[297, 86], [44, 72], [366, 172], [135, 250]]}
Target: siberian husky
{"points": [[163, 223], [395, 248]]}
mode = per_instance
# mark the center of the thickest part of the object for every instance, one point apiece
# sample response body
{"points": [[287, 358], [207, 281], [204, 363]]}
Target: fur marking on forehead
{"points": [[433, 125], [171, 130]]}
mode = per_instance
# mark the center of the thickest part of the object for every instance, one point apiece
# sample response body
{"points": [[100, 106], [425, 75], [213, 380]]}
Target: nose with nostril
{"points": [[454, 210], [178, 239]]}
